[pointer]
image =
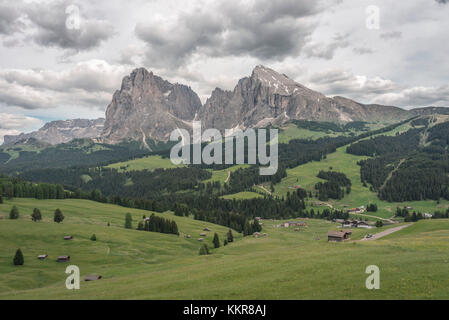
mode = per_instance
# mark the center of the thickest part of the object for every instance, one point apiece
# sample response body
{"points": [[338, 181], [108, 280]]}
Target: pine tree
{"points": [[58, 217], [36, 215], [141, 225], [18, 258], [128, 221], [14, 213], [225, 242], [216, 241], [1, 199], [204, 250], [94, 237], [230, 236], [379, 224]]}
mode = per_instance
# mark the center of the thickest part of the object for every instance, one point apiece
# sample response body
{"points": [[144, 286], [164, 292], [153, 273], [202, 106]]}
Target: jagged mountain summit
{"points": [[146, 106], [60, 131], [269, 97]]}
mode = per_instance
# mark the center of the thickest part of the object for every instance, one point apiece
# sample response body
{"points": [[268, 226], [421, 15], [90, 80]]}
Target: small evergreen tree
{"points": [[14, 213], [58, 217], [230, 236], [379, 224], [216, 241], [128, 221], [94, 237], [1, 199], [204, 250], [141, 225], [225, 242], [18, 258], [36, 215], [109, 224]]}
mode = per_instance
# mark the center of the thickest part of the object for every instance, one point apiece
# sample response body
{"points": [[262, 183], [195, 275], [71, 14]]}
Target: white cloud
{"points": [[13, 124]]}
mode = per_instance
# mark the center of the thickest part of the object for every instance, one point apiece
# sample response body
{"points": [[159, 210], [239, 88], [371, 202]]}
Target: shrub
{"points": [[18, 258], [36, 215], [14, 213], [59, 217]]}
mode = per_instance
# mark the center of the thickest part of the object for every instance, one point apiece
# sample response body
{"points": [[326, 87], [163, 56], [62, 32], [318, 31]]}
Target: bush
{"points": [[128, 221], [59, 217], [18, 258], [36, 215], [14, 213], [379, 224], [204, 250], [216, 241], [94, 237]]}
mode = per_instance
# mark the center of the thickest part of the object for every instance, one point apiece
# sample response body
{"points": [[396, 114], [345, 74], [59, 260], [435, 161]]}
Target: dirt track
{"points": [[385, 233]]}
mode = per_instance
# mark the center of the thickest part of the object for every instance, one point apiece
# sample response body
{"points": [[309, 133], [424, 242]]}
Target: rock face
{"points": [[146, 106], [269, 97], [60, 131]]}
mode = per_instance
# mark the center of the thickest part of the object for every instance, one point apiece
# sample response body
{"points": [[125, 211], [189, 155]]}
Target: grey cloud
{"points": [[345, 83], [45, 24], [50, 22], [418, 96], [391, 35], [9, 19], [263, 29], [89, 84], [362, 50]]}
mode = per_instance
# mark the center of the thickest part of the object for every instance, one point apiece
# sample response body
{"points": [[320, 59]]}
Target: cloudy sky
{"points": [[64, 59]]}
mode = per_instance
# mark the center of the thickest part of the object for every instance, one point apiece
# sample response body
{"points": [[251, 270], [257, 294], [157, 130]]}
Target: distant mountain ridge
{"points": [[147, 107], [60, 131]]}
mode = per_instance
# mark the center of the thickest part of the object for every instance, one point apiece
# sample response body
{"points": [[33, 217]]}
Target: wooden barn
{"points": [[68, 237], [42, 256], [338, 236]]}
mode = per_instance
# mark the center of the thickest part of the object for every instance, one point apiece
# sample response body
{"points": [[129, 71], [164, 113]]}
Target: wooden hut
{"points": [[338, 236], [42, 256], [68, 237], [92, 278], [63, 259]]}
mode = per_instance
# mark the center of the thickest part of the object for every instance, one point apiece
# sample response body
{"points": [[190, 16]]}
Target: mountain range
{"points": [[149, 107]]}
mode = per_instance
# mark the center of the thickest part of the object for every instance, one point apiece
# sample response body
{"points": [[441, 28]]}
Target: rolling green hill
{"points": [[145, 265]]}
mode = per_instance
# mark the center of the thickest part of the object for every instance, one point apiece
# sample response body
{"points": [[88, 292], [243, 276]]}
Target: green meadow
{"points": [[146, 163], [286, 264], [243, 195]]}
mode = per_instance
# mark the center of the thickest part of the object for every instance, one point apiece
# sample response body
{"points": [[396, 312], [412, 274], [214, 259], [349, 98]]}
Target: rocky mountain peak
{"points": [[148, 106]]}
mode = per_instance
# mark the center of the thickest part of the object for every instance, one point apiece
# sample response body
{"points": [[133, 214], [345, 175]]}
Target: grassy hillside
{"points": [[145, 265], [340, 161], [147, 163], [117, 251]]}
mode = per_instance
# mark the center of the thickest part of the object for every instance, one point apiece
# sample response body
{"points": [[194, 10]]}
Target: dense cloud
{"points": [[264, 29], [417, 96], [45, 23], [9, 19], [88, 84], [344, 83]]}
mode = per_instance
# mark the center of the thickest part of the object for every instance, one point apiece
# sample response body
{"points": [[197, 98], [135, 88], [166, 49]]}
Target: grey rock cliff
{"points": [[146, 106]]}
